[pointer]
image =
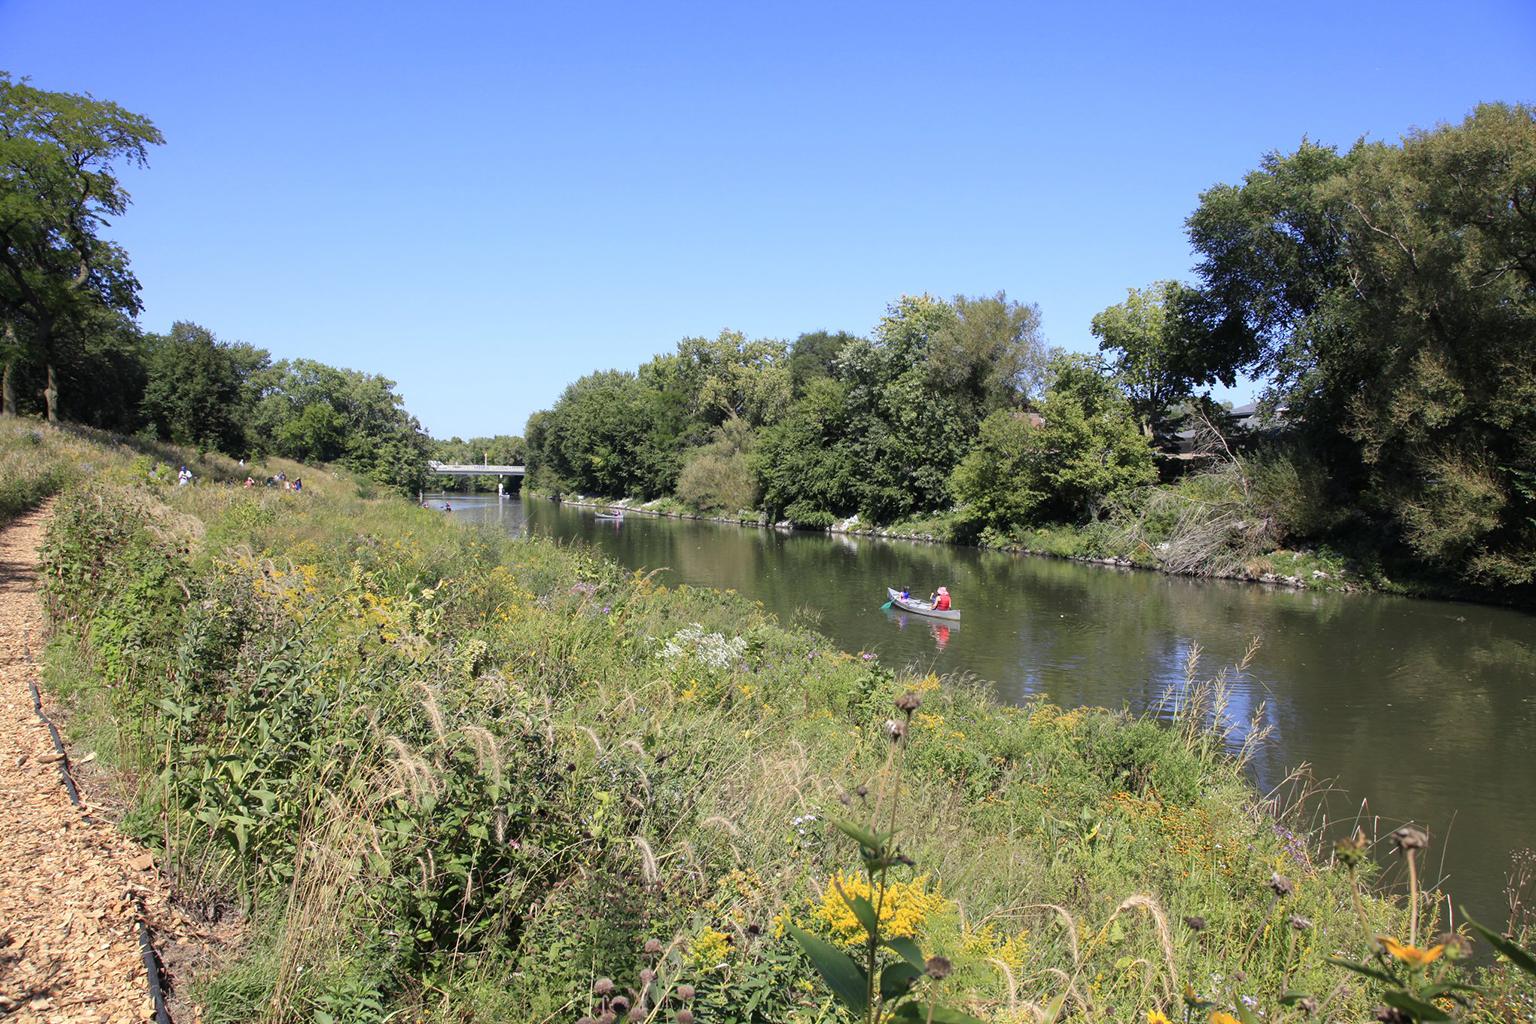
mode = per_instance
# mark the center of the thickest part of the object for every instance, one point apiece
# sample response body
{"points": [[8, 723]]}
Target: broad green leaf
{"points": [[1418, 1007], [859, 834], [863, 910], [907, 950], [1369, 972], [915, 1011], [897, 980], [842, 975], [1244, 1014], [1519, 957]]}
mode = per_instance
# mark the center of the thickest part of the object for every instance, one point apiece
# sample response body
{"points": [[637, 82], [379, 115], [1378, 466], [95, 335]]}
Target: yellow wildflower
{"points": [[1220, 1017], [710, 948], [1157, 1017], [903, 911], [1410, 955]]}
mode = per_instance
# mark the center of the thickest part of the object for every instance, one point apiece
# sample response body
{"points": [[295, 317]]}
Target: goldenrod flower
{"points": [[1410, 955]]}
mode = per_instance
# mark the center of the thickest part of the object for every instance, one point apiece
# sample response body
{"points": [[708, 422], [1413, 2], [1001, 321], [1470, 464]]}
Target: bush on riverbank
{"points": [[464, 776]]}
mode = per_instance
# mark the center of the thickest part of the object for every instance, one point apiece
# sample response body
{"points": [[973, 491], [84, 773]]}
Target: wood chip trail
{"points": [[70, 888]]}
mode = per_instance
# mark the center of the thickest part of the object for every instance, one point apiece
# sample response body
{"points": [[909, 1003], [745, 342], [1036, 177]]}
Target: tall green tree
{"points": [[201, 391], [1148, 348], [1084, 450], [58, 188], [1389, 297]]}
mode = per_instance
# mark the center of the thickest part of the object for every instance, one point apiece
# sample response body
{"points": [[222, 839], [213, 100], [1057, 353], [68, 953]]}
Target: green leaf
{"points": [[907, 950], [937, 1014], [863, 836], [842, 975], [897, 980], [1420, 1009], [1244, 1014], [1517, 956], [1369, 972]]}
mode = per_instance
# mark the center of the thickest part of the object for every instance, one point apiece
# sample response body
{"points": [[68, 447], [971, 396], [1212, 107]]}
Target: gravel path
{"points": [[70, 888]]}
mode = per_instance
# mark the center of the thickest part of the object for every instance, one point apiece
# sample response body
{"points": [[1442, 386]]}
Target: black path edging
{"points": [[146, 947]]}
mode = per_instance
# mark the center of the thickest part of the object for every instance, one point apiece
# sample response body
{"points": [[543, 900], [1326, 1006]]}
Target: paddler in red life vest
{"points": [[940, 600]]}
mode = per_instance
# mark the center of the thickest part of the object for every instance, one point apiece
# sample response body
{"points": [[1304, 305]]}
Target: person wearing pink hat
{"points": [[940, 599]]}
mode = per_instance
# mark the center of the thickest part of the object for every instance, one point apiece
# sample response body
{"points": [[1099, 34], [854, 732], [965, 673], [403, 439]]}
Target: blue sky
{"points": [[485, 201]]}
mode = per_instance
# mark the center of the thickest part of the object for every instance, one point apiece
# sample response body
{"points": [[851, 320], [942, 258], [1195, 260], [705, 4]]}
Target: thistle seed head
{"points": [[602, 986], [908, 703], [1280, 885], [1195, 922], [939, 968], [1410, 837]]}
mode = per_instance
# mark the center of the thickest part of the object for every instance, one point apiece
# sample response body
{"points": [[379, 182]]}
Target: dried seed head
{"points": [[637, 1014], [685, 992], [1300, 923], [862, 792], [754, 930], [908, 703], [1410, 837], [938, 968], [602, 986], [647, 976], [1392, 1015], [896, 730], [652, 947], [1196, 923], [684, 1016], [619, 1005], [1351, 851], [1280, 885], [586, 1020], [608, 1017], [1307, 1004]]}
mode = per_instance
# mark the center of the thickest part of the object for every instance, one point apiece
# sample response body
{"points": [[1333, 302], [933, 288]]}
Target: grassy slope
{"points": [[463, 775]]}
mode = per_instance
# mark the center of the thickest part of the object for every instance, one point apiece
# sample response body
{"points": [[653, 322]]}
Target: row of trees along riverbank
{"points": [[449, 775], [1384, 297]]}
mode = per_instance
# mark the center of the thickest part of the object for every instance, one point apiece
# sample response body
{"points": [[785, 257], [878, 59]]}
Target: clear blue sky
{"points": [[485, 201]]}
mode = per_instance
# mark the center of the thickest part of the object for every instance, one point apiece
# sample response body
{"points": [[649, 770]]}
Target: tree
{"points": [[57, 189], [990, 356], [814, 355], [593, 439], [1389, 296], [1151, 361], [200, 390], [1085, 450], [718, 476]]}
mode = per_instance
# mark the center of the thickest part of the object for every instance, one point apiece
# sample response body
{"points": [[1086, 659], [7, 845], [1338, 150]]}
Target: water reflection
{"points": [[1425, 708]]}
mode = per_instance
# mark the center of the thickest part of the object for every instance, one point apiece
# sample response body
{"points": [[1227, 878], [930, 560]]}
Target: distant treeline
{"points": [[1384, 297]]}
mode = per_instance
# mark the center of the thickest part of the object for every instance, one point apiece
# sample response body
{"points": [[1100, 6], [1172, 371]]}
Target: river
{"points": [[1414, 709]]}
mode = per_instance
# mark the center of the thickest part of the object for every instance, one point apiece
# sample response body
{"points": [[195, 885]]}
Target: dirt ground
{"points": [[71, 885]]}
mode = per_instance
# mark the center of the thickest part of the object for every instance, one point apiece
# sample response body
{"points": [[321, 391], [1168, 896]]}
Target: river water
{"points": [[1415, 710]]}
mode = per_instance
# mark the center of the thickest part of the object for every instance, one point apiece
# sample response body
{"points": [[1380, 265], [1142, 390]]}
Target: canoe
{"points": [[608, 515], [920, 607]]}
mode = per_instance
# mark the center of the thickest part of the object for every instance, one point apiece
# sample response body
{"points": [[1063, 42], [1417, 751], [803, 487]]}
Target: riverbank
{"points": [[462, 776], [1316, 570]]}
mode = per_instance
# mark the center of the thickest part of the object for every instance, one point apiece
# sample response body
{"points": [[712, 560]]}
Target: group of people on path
{"points": [[280, 480]]}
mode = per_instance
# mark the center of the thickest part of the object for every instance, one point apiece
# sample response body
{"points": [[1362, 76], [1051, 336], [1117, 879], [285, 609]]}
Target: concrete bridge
{"points": [[473, 469]]}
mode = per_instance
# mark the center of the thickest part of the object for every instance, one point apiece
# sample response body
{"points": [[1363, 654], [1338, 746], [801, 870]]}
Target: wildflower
{"points": [[1280, 885], [938, 968], [685, 992], [1157, 1017], [1410, 837], [619, 1004], [908, 703], [684, 1016], [652, 947], [647, 976], [602, 986], [1410, 955], [1222, 1017], [637, 1014]]}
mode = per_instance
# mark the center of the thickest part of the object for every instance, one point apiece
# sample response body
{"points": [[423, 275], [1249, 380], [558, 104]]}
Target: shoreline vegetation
{"points": [[931, 530], [437, 771]]}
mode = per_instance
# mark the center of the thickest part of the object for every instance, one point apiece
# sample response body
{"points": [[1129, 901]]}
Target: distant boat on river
{"points": [[907, 604], [610, 516]]}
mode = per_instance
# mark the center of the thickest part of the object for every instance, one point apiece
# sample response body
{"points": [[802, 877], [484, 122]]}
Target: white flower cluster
{"points": [[714, 649]]}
